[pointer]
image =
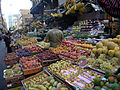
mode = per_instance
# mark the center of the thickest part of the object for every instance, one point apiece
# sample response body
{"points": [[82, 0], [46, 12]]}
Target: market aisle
{"points": [[2, 65]]}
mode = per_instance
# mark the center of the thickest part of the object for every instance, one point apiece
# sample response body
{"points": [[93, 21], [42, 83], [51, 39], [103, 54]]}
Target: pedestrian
{"points": [[0, 34], [54, 36], [7, 40]]}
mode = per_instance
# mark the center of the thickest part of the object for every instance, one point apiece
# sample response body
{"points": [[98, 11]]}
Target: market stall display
{"points": [[84, 79], [84, 60], [14, 71], [22, 52], [11, 58], [103, 63], [47, 57], [109, 82], [63, 69], [27, 41], [50, 83], [34, 49], [109, 47], [72, 49], [13, 82], [30, 65], [43, 44], [36, 79]]}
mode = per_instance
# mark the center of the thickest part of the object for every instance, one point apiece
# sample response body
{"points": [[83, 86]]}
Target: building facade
{"points": [[25, 16]]}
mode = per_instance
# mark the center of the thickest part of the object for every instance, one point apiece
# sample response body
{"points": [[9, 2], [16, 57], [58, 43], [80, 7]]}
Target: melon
{"points": [[108, 73], [105, 50], [94, 50], [104, 42], [99, 45], [109, 39], [115, 86], [118, 36], [97, 81], [111, 53], [99, 51], [117, 54], [115, 40], [118, 41], [111, 45], [116, 48], [97, 88]]}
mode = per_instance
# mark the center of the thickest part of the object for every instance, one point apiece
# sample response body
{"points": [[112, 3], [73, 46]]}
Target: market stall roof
{"points": [[112, 7], [38, 8]]}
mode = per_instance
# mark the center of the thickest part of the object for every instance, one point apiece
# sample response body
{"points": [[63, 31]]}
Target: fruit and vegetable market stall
{"points": [[71, 65]]}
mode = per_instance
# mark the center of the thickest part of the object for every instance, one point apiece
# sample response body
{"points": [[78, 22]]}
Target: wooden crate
{"points": [[11, 62], [13, 82], [57, 79], [17, 88], [48, 62], [31, 71], [33, 77]]}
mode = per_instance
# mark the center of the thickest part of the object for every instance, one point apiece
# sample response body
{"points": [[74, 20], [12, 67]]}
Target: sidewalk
{"points": [[2, 65]]}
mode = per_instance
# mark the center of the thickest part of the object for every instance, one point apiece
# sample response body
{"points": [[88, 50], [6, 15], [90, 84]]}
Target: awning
{"points": [[112, 7], [40, 7]]}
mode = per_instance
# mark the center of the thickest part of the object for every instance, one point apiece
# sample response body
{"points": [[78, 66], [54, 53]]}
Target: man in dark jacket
{"points": [[7, 42]]}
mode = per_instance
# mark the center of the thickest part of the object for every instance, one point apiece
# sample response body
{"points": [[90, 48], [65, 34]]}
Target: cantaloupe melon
{"points": [[118, 36], [111, 53], [118, 41], [117, 54], [99, 51], [104, 42], [105, 50], [94, 50], [99, 45], [115, 40], [111, 45], [116, 48]]}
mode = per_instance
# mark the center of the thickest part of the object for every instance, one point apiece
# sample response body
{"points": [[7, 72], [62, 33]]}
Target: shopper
{"points": [[7, 40], [54, 36], [0, 34]]}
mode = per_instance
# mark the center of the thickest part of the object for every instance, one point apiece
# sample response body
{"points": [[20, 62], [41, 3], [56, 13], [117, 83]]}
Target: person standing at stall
{"points": [[54, 36]]}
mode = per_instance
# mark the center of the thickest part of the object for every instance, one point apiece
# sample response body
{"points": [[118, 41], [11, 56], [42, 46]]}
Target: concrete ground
{"points": [[3, 51]]}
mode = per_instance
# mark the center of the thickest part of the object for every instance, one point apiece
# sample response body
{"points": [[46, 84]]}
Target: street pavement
{"points": [[3, 51]]}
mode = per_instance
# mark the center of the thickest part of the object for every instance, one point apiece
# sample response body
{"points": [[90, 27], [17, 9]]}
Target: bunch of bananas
{"points": [[56, 15], [79, 6], [66, 5]]}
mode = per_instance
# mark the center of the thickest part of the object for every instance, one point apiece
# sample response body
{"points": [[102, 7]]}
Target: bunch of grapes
{"points": [[91, 61], [106, 66], [114, 61], [103, 57], [97, 63]]}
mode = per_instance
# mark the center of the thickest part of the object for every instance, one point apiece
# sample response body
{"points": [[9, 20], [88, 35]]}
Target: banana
{"points": [[79, 5], [82, 10], [73, 2], [66, 4], [56, 15]]}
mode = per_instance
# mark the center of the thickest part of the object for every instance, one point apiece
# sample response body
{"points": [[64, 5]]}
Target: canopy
{"points": [[112, 7]]}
